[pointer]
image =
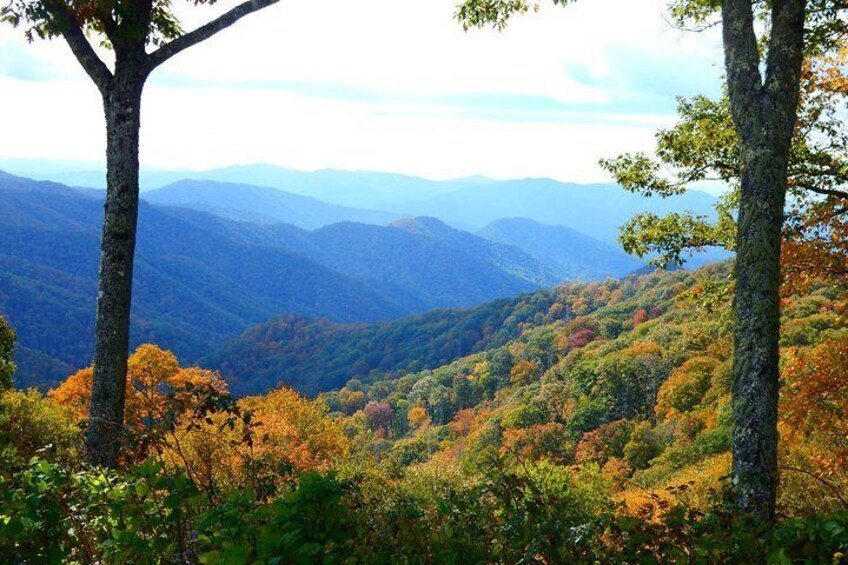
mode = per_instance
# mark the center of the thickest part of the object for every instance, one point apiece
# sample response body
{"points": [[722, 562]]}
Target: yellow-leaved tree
{"points": [[152, 375]]}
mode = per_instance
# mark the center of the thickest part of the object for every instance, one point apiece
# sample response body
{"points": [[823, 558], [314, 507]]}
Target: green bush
{"points": [[516, 513], [49, 514], [31, 424]]}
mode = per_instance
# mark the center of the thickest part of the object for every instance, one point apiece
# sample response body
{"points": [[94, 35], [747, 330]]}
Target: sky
{"points": [[383, 85]]}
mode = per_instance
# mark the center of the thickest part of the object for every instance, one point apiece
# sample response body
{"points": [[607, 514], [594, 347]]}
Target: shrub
{"points": [[644, 445], [32, 424]]}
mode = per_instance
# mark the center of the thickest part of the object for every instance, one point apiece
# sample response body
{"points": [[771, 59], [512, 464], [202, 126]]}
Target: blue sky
{"points": [[391, 85]]}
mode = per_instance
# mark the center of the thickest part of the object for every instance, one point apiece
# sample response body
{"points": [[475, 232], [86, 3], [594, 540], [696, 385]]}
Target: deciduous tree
{"points": [[152, 375], [129, 28], [418, 417], [703, 146], [763, 90]]}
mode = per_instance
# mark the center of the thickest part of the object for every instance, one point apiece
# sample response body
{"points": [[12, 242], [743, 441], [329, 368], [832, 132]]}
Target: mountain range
{"points": [[261, 205], [198, 279], [471, 203], [202, 278], [216, 258]]}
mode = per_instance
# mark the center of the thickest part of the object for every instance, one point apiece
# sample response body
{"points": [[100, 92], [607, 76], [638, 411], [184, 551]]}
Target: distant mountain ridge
{"points": [[201, 279], [597, 210], [544, 260], [571, 254], [261, 205], [416, 268], [508, 257], [360, 189]]}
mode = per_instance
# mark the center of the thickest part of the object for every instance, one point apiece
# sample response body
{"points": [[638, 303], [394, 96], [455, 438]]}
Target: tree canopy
{"points": [[704, 146], [117, 24]]}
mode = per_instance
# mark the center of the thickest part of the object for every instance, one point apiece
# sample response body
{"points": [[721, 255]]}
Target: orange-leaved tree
{"points": [[277, 435], [153, 375], [814, 402]]}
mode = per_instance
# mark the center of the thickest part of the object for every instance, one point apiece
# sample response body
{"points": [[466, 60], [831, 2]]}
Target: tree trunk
{"points": [[757, 332], [764, 112], [122, 106]]}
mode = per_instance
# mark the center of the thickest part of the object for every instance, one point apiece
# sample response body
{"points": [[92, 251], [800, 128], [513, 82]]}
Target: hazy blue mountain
{"points": [[363, 189], [418, 271], [506, 256], [597, 210], [262, 205], [360, 189], [200, 278], [573, 255], [197, 281], [438, 274]]}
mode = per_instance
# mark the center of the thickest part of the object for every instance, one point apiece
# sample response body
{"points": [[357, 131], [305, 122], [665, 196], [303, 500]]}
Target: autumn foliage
{"points": [[588, 420], [152, 375], [814, 404]]}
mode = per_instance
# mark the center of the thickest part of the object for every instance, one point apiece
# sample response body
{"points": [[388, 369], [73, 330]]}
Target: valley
{"points": [[217, 258]]}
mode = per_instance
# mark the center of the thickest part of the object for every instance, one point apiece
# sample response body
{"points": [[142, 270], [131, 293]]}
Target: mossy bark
{"points": [[757, 334], [764, 112]]}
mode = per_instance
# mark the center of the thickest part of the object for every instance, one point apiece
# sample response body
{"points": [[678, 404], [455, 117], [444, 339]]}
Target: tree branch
{"points": [[825, 191], [785, 57], [830, 486], [82, 49], [741, 61], [183, 42]]}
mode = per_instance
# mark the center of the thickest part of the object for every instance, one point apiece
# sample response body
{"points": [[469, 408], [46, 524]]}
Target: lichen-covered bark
{"points": [[764, 112], [122, 106], [757, 331]]}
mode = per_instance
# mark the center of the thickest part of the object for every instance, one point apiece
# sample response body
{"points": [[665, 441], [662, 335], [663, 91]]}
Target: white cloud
{"points": [[385, 85]]}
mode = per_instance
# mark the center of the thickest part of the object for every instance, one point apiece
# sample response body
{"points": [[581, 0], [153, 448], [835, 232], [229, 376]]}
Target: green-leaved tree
{"points": [[703, 146], [763, 76], [143, 34]]}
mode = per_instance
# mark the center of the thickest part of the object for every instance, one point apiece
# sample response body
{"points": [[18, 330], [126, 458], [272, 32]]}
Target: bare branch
{"points": [[82, 49], [700, 28], [825, 191], [183, 42], [830, 486]]}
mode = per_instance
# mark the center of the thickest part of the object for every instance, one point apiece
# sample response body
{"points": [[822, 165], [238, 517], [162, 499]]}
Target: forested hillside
{"points": [[201, 279], [589, 423], [315, 356], [590, 355], [573, 255]]}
